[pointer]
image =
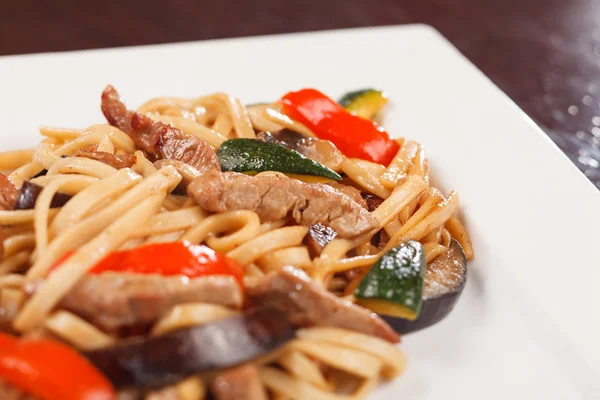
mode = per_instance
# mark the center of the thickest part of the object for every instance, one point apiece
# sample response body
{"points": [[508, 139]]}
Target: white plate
{"points": [[528, 324]]}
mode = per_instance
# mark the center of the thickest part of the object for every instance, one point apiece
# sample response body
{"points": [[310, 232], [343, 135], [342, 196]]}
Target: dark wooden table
{"points": [[545, 54]]}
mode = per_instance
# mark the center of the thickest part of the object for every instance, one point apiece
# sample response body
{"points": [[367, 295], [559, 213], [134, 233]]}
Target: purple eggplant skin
{"points": [[31, 191], [153, 362], [438, 298]]}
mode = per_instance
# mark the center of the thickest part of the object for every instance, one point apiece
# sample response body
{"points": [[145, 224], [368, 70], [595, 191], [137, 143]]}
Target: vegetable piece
{"points": [[353, 135], [7, 342], [226, 343], [394, 285], [322, 151], [250, 155], [167, 259], [51, 370], [31, 191], [366, 103], [41, 173], [319, 236], [444, 282]]}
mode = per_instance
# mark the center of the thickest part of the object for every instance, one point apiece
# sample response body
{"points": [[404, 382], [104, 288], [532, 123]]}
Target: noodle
{"points": [[190, 315], [243, 225], [304, 369], [367, 175], [354, 362], [273, 240], [458, 231], [76, 331], [283, 383], [400, 164], [15, 159]]}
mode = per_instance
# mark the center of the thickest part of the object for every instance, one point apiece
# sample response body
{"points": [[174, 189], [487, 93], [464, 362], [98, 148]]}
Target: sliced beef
{"points": [[318, 237], [114, 300], [322, 151], [158, 139], [275, 196], [349, 191], [306, 304], [242, 383], [9, 193], [118, 162], [9, 392]]}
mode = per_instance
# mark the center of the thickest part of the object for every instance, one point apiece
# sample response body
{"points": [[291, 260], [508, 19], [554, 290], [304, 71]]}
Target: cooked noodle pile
{"points": [[113, 209]]}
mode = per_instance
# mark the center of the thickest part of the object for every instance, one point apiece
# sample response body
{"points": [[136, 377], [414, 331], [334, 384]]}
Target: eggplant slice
{"points": [[163, 360], [444, 282], [30, 192], [319, 236]]}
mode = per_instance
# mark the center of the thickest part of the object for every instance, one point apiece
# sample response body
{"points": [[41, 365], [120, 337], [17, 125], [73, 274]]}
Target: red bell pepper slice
{"points": [[51, 370], [176, 258], [354, 136]]}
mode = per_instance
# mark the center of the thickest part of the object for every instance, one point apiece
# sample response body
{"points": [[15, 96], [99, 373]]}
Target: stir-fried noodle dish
{"points": [[206, 249]]}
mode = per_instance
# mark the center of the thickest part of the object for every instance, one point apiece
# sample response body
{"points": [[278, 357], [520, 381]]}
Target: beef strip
{"points": [[274, 196], [9, 392], [306, 304], [241, 383], [158, 139], [322, 151], [9, 193], [349, 191], [118, 162], [113, 300]]}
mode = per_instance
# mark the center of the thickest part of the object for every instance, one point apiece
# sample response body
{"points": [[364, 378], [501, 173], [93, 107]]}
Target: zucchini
{"points": [[253, 156], [394, 286], [365, 103], [444, 282]]}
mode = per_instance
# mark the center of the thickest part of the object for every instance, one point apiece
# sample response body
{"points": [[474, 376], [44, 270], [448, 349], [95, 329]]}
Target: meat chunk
{"points": [[275, 196], [242, 383], [322, 151], [350, 191], [9, 392], [8, 193], [158, 139], [114, 300], [118, 162], [306, 304]]}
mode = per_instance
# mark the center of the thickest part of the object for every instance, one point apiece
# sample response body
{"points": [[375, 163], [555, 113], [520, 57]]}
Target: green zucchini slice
{"points": [[365, 103], [253, 156], [394, 285]]}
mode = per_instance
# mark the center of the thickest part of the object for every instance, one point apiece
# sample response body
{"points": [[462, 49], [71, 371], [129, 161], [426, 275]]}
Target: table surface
{"points": [[545, 54]]}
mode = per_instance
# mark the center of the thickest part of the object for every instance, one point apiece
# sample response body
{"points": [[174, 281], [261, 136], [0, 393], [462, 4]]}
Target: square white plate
{"points": [[528, 324]]}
